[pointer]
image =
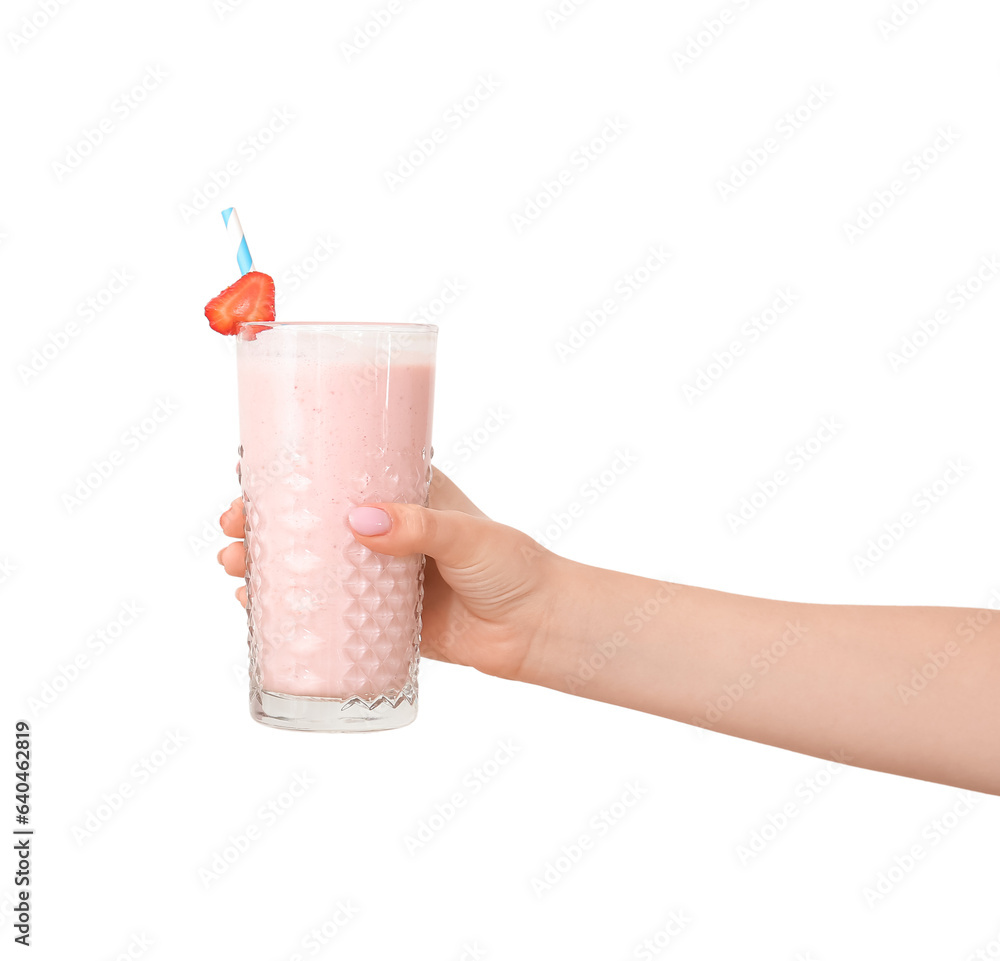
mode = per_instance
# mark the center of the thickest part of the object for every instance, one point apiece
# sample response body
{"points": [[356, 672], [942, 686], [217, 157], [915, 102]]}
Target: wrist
{"points": [[594, 618], [573, 615]]}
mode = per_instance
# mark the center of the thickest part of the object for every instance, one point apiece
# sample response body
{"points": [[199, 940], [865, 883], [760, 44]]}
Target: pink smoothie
{"points": [[326, 426]]}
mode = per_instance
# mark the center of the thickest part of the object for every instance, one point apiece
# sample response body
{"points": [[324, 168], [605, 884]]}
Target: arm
{"points": [[907, 690]]}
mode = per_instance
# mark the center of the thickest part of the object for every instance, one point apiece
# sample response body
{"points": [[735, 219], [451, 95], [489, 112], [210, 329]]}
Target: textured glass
{"points": [[333, 627]]}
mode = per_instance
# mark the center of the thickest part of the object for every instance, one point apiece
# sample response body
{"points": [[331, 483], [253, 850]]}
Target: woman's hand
{"points": [[488, 588]]}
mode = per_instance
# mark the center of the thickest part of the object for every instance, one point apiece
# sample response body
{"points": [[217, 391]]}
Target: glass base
{"points": [[328, 714]]}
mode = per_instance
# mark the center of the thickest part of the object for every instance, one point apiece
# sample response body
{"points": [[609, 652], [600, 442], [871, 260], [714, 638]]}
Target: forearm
{"points": [[827, 680]]}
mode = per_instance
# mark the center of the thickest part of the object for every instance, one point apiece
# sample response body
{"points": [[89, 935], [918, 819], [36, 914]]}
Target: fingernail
{"points": [[368, 521], [218, 556]]}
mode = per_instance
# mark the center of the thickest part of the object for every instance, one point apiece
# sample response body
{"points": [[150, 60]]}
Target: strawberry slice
{"points": [[249, 301]]}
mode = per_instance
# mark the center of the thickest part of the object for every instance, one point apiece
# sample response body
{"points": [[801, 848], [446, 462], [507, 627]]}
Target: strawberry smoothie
{"points": [[332, 416]]}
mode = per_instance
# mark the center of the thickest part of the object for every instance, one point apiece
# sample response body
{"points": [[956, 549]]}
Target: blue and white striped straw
{"points": [[232, 222]]}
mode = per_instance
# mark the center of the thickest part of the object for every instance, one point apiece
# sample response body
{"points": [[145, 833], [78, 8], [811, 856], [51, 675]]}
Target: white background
{"points": [[145, 535]]}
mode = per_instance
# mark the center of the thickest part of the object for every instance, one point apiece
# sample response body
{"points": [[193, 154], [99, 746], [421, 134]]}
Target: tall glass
{"points": [[332, 416]]}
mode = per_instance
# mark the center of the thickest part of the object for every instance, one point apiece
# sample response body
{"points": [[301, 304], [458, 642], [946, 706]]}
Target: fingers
{"points": [[233, 558], [232, 520], [445, 496], [456, 539], [454, 531]]}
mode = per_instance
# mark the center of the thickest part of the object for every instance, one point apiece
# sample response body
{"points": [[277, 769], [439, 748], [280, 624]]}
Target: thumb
{"points": [[453, 538]]}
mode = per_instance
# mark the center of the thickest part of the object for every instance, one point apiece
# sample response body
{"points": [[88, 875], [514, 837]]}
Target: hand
{"points": [[488, 589]]}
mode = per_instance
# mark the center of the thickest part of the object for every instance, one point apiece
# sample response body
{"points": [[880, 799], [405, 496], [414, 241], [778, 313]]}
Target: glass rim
{"points": [[366, 326]]}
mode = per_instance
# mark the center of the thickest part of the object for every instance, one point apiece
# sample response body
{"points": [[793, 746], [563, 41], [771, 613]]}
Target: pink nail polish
{"points": [[368, 521]]}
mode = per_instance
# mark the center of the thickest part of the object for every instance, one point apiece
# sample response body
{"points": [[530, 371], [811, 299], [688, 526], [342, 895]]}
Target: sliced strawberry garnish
{"points": [[249, 301]]}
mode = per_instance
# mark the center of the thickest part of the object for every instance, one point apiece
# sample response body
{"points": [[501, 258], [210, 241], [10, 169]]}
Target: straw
{"points": [[232, 221]]}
